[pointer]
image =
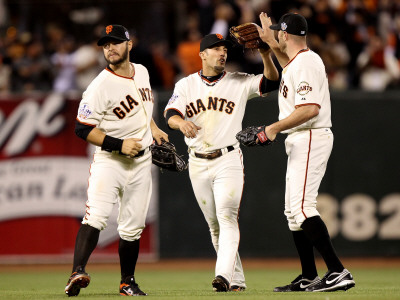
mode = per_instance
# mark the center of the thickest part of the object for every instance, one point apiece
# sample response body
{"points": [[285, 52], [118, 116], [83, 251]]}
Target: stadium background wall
{"points": [[44, 169]]}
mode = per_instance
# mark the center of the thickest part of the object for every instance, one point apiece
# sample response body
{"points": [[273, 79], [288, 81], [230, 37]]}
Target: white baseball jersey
{"points": [[308, 145], [217, 107], [119, 106], [304, 82]]}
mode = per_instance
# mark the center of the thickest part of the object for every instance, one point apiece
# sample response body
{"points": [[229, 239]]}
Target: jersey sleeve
{"points": [[91, 108], [306, 87], [177, 101], [254, 85], [144, 73]]}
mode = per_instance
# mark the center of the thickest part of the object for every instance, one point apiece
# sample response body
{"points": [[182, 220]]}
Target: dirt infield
{"points": [[203, 264]]}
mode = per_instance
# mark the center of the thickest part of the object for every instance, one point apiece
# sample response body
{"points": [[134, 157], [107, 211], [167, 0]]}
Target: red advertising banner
{"points": [[44, 170]]}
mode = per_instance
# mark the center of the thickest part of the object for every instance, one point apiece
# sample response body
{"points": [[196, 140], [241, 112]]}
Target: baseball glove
{"points": [[254, 136], [247, 36], [166, 157]]}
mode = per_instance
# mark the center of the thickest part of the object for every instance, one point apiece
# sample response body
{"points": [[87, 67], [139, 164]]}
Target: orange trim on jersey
{"points": [[202, 78], [91, 125], [301, 51], [241, 197], [305, 179], [112, 72], [165, 112], [87, 191], [296, 106]]}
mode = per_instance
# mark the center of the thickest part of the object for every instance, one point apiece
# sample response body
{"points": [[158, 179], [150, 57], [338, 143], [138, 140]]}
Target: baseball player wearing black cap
{"points": [[115, 115], [305, 116], [208, 108]]}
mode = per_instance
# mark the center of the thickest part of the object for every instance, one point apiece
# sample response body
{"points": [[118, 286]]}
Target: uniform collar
{"points": [[211, 80], [301, 51]]}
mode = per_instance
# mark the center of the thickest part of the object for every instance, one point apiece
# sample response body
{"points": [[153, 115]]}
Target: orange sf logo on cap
{"points": [[109, 28], [219, 36]]}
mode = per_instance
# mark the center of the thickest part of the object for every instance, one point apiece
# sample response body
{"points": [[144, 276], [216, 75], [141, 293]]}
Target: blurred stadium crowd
{"points": [[50, 45]]}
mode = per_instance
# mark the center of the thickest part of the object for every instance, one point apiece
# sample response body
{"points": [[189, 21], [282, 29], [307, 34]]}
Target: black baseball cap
{"points": [[292, 23], [113, 32], [212, 39]]}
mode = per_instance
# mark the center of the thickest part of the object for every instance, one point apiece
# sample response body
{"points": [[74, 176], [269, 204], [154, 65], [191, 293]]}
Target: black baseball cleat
{"points": [[333, 281], [77, 281], [220, 284], [300, 284], [236, 288], [129, 287]]}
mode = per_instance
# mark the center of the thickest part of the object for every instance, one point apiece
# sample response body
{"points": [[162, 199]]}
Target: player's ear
{"points": [[202, 55], [286, 35], [130, 45]]}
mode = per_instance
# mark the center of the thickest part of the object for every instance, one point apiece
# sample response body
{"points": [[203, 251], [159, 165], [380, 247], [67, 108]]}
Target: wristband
{"points": [[111, 144], [262, 137]]}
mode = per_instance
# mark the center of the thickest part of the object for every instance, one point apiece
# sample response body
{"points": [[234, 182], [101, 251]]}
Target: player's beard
{"points": [[219, 66], [219, 69], [122, 59]]}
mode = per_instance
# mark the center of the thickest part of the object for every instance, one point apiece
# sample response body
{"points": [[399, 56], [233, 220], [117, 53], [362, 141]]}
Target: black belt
{"points": [[140, 153], [215, 154]]}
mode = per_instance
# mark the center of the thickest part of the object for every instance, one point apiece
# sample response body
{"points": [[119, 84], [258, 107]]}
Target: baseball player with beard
{"points": [[305, 116], [115, 114], [208, 108]]}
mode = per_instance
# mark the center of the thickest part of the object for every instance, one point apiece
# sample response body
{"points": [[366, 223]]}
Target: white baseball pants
{"points": [[116, 178], [308, 154], [218, 187]]}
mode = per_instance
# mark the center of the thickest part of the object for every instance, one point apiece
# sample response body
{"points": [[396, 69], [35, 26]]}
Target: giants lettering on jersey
{"points": [[304, 88], [283, 89], [129, 103], [214, 103]]}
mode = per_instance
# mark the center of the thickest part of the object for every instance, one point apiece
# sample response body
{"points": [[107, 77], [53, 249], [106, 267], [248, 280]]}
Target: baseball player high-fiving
{"points": [[208, 108], [115, 114], [305, 116]]}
